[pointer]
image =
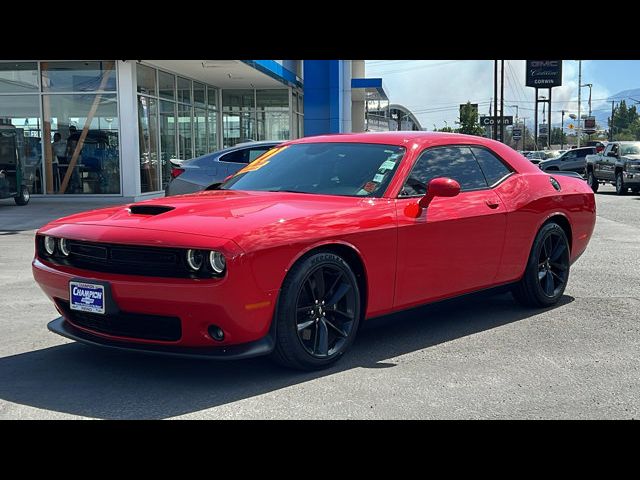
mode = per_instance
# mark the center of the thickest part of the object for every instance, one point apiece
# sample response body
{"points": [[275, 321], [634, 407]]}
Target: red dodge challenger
{"points": [[291, 254]]}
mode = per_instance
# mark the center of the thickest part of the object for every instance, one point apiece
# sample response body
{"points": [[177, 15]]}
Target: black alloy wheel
{"points": [[325, 311], [318, 312], [553, 264], [547, 271]]}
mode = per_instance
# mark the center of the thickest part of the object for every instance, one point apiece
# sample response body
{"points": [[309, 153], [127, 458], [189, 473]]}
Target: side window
{"points": [[571, 156], [256, 152], [492, 167], [237, 156], [457, 163]]}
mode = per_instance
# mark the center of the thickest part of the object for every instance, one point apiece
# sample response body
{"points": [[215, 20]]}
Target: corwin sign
{"points": [[544, 73]]}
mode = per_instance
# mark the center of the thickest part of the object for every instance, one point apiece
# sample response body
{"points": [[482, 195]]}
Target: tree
{"points": [[558, 137], [625, 124], [469, 121]]}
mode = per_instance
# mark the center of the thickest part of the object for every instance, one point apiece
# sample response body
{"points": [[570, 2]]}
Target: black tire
{"points": [[592, 181], [547, 273], [23, 198], [621, 188], [319, 345]]}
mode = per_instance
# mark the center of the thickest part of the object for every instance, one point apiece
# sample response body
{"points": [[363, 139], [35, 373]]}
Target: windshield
{"points": [[350, 169], [630, 149]]}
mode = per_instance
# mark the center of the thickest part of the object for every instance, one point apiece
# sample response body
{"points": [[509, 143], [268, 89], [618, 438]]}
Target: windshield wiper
{"points": [[285, 190]]}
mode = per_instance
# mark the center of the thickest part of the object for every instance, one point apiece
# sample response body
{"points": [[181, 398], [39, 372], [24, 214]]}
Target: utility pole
{"points": [[502, 101], [495, 99], [562, 132], [524, 133], [579, 99]]}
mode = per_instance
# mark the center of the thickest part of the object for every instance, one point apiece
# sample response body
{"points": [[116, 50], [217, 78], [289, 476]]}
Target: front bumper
{"points": [[632, 177], [263, 346], [235, 304]]}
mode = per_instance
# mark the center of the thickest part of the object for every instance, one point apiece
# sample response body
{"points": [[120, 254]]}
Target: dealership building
{"points": [[110, 128]]}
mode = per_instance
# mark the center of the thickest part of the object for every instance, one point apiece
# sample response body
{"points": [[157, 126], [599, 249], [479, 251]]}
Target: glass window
{"points": [[91, 165], [492, 167], [199, 94], [18, 77], [184, 90], [272, 98], [212, 129], [238, 127], [273, 125], [146, 79], [167, 85], [78, 76], [200, 131], [20, 140], [148, 136], [168, 132], [350, 169], [212, 97], [184, 132], [234, 99], [457, 163], [244, 155]]}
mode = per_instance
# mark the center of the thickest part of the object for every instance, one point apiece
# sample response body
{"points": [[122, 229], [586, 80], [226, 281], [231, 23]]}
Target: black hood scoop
{"points": [[149, 209]]}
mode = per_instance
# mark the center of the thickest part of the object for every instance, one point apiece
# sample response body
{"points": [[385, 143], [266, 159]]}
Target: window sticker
{"points": [[370, 187], [387, 165], [378, 177], [260, 162]]}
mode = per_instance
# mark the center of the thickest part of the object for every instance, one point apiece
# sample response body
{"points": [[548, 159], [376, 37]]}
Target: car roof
{"points": [[399, 138]]}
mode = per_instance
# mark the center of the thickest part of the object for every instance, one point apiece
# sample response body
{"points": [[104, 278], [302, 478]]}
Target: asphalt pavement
{"points": [[481, 358]]}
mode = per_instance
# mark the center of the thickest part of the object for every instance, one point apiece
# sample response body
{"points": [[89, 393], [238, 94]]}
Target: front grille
{"points": [[123, 259], [125, 324]]}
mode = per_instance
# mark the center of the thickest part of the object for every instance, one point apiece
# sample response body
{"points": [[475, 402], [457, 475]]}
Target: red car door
{"points": [[455, 245]]}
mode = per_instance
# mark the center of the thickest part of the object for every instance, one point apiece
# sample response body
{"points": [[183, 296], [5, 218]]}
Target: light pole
{"points": [[590, 85], [579, 100], [544, 117]]}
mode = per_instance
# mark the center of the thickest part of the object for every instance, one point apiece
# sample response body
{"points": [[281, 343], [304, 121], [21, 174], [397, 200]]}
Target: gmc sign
{"points": [[544, 73]]}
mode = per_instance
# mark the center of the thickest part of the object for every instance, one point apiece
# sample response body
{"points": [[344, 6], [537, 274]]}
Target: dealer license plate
{"points": [[86, 297]]}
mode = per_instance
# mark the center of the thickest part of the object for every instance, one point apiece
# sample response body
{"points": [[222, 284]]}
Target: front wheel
{"points": [[621, 188], [547, 271], [23, 197], [592, 181], [318, 312]]}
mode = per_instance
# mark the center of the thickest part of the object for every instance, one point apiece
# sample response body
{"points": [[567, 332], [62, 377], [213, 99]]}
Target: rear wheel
{"points": [[591, 180], [318, 312], [23, 197], [547, 271]]}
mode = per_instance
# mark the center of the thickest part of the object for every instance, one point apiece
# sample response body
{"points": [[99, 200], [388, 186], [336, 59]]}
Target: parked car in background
{"points": [[540, 155], [570, 161], [618, 164], [199, 173]]}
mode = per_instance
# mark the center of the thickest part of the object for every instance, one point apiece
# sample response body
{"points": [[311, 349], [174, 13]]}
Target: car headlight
{"points": [[49, 245], [194, 259], [64, 249], [217, 262]]}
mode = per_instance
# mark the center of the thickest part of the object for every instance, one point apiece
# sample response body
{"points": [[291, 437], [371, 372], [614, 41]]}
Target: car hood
{"points": [[635, 158], [242, 216]]}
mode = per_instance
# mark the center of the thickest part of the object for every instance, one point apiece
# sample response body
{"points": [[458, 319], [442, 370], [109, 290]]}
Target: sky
{"points": [[433, 89]]}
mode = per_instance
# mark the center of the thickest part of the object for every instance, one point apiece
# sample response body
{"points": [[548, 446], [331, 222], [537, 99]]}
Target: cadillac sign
{"points": [[544, 73]]}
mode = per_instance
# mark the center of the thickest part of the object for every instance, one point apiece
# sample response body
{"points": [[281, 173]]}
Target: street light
{"points": [[516, 107]]}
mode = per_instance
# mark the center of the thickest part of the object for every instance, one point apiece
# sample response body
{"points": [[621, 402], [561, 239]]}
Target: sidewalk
{"points": [[42, 210]]}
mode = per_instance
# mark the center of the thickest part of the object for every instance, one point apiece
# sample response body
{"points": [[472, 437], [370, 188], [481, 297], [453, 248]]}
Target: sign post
{"points": [[543, 74]]}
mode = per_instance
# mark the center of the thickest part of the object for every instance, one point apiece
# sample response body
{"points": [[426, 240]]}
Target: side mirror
{"points": [[437, 187], [611, 154]]}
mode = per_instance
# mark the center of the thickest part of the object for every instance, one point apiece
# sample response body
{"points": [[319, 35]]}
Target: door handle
{"points": [[493, 203]]}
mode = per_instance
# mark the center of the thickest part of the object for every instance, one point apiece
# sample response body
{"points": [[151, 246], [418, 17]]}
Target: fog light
{"points": [[63, 247], [194, 259], [216, 333], [50, 245], [217, 262]]}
